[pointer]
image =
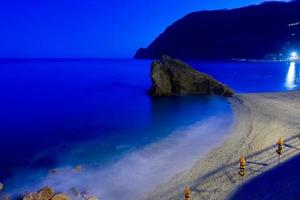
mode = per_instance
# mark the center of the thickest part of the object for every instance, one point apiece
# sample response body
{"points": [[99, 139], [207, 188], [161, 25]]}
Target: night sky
{"points": [[91, 28]]}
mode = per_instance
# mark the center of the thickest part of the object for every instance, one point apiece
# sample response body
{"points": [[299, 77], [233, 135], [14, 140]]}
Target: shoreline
{"points": [[260, 119], [145, 167]]}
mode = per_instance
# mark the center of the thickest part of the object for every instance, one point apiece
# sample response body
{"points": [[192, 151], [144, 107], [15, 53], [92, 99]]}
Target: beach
{"points": [[260, 120]]}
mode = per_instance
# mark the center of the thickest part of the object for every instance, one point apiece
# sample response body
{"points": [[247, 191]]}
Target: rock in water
{"points": [[171, 77], [55, 171], [29, 196], [7, 198], [78, 168], [45, 193], [61, 197], [92, 198], [75, 192], [1, 186]]}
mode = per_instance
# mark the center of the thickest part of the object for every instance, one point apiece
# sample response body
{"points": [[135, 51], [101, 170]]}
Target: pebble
{"points": [[78, 168]]}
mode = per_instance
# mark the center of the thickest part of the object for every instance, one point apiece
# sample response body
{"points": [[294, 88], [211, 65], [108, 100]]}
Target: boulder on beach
{"points": [[171, 77]]}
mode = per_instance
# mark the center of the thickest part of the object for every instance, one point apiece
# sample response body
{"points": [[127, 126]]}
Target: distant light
{"points": [[294, 56]]}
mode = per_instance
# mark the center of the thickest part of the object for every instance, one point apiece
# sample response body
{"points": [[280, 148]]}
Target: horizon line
{"points": [[64, 58]]}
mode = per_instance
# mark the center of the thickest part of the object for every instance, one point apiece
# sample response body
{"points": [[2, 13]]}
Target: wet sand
{"points": [[260, 120]]}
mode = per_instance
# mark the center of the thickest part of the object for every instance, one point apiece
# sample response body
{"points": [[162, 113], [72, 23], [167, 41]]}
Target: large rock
{"points": [[172, 77]]}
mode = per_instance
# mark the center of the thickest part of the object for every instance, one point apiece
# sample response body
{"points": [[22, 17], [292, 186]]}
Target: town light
{"points": [[294, 56]]}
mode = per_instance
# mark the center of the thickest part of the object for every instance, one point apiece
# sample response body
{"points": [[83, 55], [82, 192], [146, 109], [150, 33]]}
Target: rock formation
{"points": [[172, 77]]}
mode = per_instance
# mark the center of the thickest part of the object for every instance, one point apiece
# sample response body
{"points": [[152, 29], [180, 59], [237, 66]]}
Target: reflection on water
{"points": [[245, 77], [291, 77]]}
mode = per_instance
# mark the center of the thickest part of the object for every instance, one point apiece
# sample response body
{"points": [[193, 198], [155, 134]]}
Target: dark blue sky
{"points": [[91, 28]]}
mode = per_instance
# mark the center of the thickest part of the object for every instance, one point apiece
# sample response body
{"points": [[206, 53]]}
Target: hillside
{"points": [[268, 30]]}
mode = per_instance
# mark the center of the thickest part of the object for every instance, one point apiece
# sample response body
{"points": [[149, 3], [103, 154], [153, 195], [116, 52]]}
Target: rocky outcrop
{"points": [[172, 77]]}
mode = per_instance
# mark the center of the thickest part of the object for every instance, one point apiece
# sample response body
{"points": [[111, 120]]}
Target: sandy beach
{"points": [[260, 120]]}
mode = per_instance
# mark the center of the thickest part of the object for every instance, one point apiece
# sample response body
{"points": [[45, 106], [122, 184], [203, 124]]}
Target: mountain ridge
{"points": [[251, 32]]}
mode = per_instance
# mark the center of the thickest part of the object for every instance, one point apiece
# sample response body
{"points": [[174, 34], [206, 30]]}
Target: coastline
{"points": [[145, 167], [260, 119]]}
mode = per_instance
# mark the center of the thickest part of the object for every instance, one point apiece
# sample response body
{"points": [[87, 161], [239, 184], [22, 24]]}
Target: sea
{"points": [[95, 115]]}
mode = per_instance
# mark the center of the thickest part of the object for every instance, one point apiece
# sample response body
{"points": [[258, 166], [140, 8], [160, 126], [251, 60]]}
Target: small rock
{"points": [[1, 186], [45, 193], [78, 168], [29, 196], [7, 198], [60, 197], [92, 198], [75, 192], [54, 171], [85, 195]]}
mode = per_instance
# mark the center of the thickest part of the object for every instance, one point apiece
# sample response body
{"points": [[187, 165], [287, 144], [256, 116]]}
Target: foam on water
{"points": [[142, 170]]}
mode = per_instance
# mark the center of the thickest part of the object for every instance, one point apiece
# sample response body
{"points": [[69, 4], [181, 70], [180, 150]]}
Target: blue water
{"points": [[97, 112], [254, 76]]}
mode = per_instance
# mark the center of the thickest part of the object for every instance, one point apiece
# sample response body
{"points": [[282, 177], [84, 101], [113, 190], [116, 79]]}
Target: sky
{"points": [[91, 28]]}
